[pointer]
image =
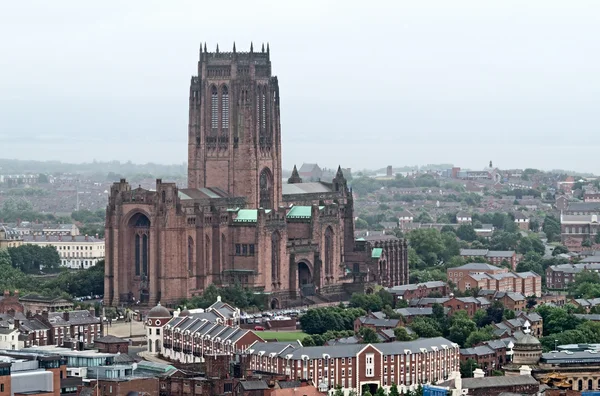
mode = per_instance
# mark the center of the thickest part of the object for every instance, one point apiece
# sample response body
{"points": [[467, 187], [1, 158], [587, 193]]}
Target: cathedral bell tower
{"points": [[234, 126]]}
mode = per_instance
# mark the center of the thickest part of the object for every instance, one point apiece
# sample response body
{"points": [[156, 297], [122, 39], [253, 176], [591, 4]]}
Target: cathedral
{"points": [[238, 221]]}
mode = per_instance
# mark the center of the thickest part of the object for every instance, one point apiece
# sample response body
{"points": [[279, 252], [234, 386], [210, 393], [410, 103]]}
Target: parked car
{"points": [[259, 328]]}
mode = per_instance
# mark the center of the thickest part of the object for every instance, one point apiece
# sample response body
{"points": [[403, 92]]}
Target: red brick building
{"points": [[407, 364], [237, 221], [111, 344], [79, 326], [488, 277], [188, 338], [418, 290]]}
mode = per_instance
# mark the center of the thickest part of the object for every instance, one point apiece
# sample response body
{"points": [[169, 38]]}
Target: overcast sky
{"points": [[363, 84]]}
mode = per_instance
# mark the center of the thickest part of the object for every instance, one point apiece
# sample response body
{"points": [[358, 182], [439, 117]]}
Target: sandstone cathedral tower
{"points": [[238, 221]]}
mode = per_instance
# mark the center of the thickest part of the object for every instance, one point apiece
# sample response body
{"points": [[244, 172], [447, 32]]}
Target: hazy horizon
{"points": [[428, 82]]}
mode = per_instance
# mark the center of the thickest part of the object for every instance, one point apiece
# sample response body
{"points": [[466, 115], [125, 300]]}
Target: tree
{"points": [[586, 242], [461, 327], [561, 249], [466, 232], [596, 238], [320, 320], [361, 224], [368, 302], [551, 228], [368, 335], [427, 243], [380, 392], [338, 389], [467, 367], [394, 390], [425, 327], [32, 259], [478, 336], [451, 246], [401, 334]]}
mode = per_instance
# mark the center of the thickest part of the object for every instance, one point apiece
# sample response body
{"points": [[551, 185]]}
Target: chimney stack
{"points": [[66, 316], [478, 373]]}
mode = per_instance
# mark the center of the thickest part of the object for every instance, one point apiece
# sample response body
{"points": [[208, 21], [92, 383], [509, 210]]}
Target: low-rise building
{"points": [[35, 304], [496, 257], [418, 290], [468, 304], [521, 220], [407, 364], [488, 277], [73, 326], [9, 237], [375, 323], [76, 251], [560, 276]]}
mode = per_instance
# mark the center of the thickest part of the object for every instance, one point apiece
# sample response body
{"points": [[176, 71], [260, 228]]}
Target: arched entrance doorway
{"points": [[305, 280], [139, 240], [275, 304]]}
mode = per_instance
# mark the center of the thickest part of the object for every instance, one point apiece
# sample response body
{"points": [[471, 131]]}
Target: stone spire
{"points": [[295, 178]]}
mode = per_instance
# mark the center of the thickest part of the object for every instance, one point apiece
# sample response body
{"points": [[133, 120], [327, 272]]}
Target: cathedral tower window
{"points": [[266, 189], [275, 259], [190, 254], [329, 251], [263, 116], [214, 105], [224, 108]]}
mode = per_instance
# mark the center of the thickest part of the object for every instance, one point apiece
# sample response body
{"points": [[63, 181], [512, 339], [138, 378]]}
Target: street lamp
{"points": [[555, 341]]}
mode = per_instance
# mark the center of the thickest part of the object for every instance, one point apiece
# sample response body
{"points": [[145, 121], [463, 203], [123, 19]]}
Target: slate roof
{"points": [[347, 350], [110, 339], [481, 350], [75, 318], [473, 252], [305, 188], [254, 385], [379, 322], [495, 382], [583, 206], [201, 193], [401, 289], [477, 267], [501, 253]]}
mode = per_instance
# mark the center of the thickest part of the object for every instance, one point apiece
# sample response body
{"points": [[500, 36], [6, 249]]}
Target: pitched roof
{"points": [[376, 252], [305, 188], [254, 385], [476, 267], [473, 252], [495, 382]]}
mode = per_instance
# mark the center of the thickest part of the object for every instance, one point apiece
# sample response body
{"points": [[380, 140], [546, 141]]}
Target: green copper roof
{"points": [[246, 216], [300, 212], [183, 196], [376, 253], [360, 239]]}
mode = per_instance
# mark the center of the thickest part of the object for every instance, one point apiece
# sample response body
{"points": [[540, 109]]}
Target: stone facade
{"points": [[237, 222]]}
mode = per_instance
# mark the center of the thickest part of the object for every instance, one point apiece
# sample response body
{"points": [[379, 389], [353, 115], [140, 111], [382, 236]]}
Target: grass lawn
{"points": [[281, 335]]}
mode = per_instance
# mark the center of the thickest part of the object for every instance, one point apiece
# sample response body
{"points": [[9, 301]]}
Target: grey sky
{"points": [[364, 84]]}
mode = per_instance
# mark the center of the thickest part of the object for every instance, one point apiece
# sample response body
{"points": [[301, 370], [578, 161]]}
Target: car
{"points": [[259, 328]]}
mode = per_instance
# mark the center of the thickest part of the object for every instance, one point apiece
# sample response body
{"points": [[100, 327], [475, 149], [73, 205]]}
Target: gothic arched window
{"points": [[214, 107], [275, 259], [263, 104], [329, 251], [190, 254], [266, 187], [224, 107]]}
